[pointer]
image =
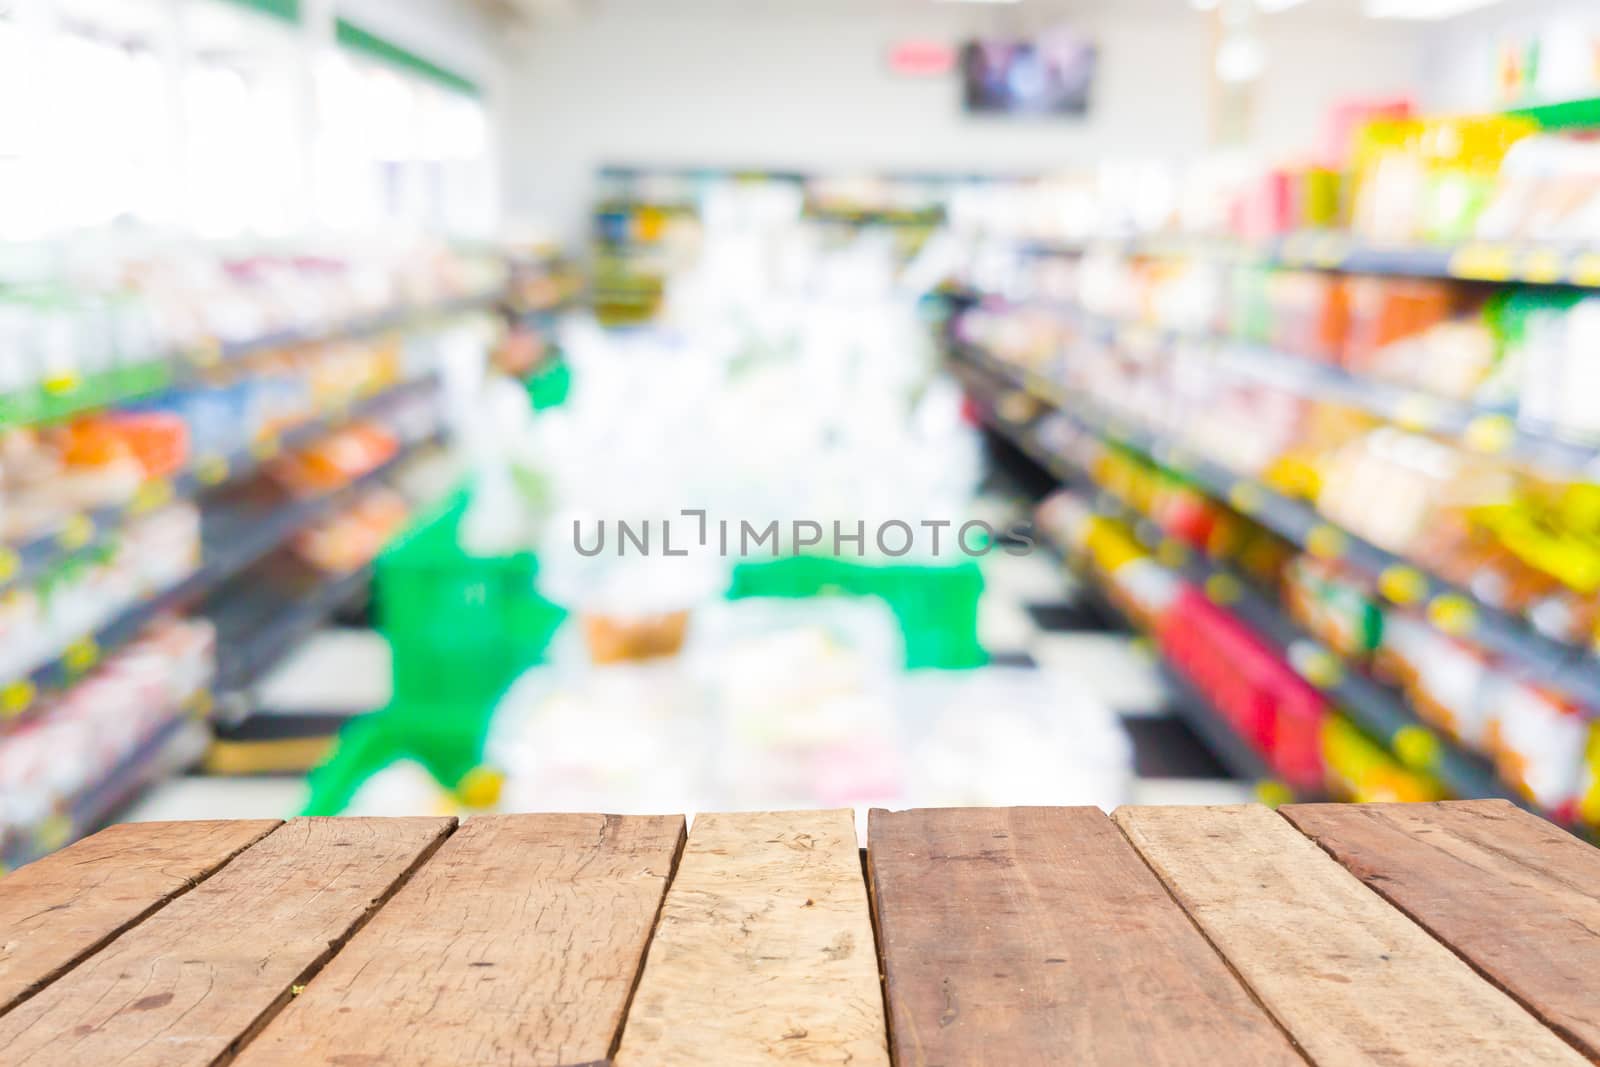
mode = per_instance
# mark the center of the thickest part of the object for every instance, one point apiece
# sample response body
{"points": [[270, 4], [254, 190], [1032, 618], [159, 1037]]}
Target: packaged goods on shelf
{"points": [[1519, 541], [80, 333], [1135, 582], [335, 460], [152, 554], [354, 535], [1245, 678], [1478, 699], [1360, 770], [1333, 607], [1537, 741], [1417, 180], [83, 735]]}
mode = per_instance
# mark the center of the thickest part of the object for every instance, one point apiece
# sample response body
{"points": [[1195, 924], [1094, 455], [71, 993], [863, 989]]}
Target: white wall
{"points": [[805, 85], [1461, 58]]}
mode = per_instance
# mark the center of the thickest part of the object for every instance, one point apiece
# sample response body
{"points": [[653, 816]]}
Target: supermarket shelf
{"points": [[1478, 429], [1456, 611], [1484, 430], [1231, 750], [1475, 261], [175, 744], [69, 396], [248, 650], [1374, 708], [1218, 735], [393, 319], [23, 564], [231, 546], [1377, 710]]}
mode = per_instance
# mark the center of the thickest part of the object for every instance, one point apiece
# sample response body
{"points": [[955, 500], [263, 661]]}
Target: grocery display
{"points": [[1089, 510], [180, 425], [1406, 517]]}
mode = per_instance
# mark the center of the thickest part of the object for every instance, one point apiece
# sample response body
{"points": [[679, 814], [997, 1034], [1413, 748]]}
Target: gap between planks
{"points": [[312, 969], [1345, 972], [1249, 989], [1553, 989], [194, 868]]}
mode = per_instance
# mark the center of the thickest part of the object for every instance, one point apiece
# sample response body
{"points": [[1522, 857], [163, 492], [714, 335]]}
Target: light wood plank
{"points": [[517, 944], [1352, 979], [1514, 895], [1024, 936], [764, 952], [61, 908], [191, 982]]}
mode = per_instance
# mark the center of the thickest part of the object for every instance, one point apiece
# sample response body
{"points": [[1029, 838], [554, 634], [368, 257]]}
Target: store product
{"points": [[1359, 769], [39, 623], [81, 737], [334, 461], [353, 536]]}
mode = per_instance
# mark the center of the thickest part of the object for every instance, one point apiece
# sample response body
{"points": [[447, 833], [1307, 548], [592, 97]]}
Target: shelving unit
{"points": [[242, 525], [1231, 750], [1559, 666], [1474, 261], [1478, 429], [253, 637], [232, 543], [176, 743], [23, 564], [1373, 707]]}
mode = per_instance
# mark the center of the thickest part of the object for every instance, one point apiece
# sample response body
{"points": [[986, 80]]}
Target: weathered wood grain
{"points": [[60, 909], [192, 981], [1024, 936], [517, 944], [1512, 894], [1352, 979], [764, 951]]}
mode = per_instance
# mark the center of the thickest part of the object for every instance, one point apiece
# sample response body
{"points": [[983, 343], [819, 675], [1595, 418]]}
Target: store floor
{"points": [[1029, 616]]}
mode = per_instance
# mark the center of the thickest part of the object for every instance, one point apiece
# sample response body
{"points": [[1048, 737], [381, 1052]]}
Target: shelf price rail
{"points": [[1556, 665]]}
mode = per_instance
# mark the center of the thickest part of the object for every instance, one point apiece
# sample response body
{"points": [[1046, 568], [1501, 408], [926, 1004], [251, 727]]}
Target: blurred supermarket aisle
{"points": [[1032, 618]]}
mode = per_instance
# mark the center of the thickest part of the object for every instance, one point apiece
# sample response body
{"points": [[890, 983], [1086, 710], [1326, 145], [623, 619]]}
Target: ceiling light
{"points": [[1421, 9], [1272, 7], [1240, 59]]}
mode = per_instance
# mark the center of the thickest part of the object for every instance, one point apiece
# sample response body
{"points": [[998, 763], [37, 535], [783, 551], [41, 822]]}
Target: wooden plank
{"points": [[191, 982], [518, 943], [61, 908], [1037, 936], [764, 950], [1515, 896], [1352, 979]]}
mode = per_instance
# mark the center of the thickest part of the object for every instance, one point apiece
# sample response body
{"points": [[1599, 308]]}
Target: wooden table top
{"points": [[1457, 933]]}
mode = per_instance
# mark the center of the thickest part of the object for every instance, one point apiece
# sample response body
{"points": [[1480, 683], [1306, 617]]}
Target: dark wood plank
{"points": [[59, 909], [192, 982], [1037, 936], [517, 944], [1516, 897], [1352, 979], [764, 950]]}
